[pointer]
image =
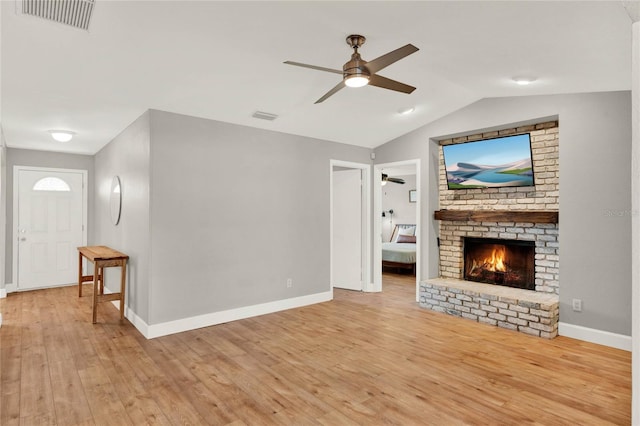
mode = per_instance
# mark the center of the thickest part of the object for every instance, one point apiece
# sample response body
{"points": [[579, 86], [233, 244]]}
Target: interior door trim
{"points": [[377, 222], [16, 209]]}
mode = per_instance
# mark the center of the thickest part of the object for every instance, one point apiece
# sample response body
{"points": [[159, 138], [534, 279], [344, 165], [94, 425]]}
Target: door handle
{"points": [[23, 239]]}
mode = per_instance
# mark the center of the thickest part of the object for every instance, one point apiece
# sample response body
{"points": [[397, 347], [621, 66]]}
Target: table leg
{"points": [[79, 274], [123, 283], [101, 279], [96, 270]]}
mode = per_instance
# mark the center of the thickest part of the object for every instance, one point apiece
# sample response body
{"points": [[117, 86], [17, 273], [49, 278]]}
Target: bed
{"points": [[400, 252]]}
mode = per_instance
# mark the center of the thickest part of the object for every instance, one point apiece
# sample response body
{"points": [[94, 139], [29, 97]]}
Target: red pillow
{"points": [[406, 239]]}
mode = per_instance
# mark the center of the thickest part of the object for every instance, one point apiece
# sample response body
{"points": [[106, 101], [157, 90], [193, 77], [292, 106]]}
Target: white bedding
{"points": [[399, 252]]}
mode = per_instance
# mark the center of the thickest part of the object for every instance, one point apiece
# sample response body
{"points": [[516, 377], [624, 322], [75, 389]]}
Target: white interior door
{"points": [[49, 227], [347, 229]]}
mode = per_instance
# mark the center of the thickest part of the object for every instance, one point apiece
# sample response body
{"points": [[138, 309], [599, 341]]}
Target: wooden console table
{"points": [[102, 257]]}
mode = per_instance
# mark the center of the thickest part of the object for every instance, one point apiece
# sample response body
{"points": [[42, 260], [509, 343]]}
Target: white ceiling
{"points": [[405, 170], [223, 61]]}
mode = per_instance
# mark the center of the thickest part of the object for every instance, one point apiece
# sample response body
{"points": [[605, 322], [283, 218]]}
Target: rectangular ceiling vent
{"points": [[264, 115], [75, 13]]}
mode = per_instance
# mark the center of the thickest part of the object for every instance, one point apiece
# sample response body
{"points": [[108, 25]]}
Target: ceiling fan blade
{"points": [[330, 92], [387, 83], [313, 67], [396, 180], [391, 57]]}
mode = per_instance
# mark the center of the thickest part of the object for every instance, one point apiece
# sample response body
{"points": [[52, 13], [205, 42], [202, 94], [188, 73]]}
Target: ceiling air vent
{"points": [[76, 13], [264, 115]]}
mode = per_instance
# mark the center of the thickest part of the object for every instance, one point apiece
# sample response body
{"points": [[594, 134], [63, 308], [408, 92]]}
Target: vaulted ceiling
{"points": [[224, 61]]}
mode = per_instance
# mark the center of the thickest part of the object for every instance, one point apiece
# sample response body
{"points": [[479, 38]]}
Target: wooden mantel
{"points": [[522, 216]]}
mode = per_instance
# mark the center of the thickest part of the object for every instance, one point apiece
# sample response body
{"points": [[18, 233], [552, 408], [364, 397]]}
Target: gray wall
{"points": [[25, 157], [595, 193], [216, 216], [127, 157], [235, 211], [396, 197], [3, 208]]}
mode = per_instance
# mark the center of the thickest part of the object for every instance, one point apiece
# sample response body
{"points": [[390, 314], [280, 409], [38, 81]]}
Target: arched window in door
{"points": [[51, 184]]}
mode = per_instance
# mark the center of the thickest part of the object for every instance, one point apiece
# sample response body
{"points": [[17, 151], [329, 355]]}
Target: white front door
{"points": [[347, 229], [49, 224]]}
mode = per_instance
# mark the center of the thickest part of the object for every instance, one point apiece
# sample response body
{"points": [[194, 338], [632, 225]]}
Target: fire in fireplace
{"points": [[509, 263]]}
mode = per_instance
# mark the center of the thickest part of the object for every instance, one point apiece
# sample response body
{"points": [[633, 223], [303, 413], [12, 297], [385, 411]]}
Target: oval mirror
{"points": [[116, 200]]}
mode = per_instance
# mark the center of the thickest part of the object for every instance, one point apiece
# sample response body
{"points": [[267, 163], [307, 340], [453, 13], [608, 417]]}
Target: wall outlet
{"points": [[576, 305], [289, 283]]}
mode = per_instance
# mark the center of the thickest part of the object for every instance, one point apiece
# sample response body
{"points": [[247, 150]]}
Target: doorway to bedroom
{"points": [[397, 217]]}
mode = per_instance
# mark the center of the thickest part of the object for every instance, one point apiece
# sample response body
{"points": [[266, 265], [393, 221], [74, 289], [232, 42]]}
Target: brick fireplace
{"points": [[525, 216], [498, 261]]}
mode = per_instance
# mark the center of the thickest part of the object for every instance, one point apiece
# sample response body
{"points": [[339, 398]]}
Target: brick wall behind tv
{"points": [[544, 196]]}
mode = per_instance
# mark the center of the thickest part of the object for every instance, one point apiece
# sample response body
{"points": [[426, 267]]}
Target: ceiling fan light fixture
{"points": [[358, 73], [356, 80], [61, 135], [355, 73]]}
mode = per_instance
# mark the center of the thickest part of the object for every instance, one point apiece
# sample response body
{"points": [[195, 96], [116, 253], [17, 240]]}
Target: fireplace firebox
{"points": [[503, 262]]}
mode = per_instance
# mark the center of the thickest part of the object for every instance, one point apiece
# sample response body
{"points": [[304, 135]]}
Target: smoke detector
{"points": [[75, 13]]}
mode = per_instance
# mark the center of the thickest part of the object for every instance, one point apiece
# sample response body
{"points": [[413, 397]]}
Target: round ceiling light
{"points": [[356, 80], [406, 111], [61, 135], [524, 81]]}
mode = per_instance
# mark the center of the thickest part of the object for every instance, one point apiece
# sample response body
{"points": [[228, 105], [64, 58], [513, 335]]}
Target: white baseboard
{"points": [[3, 293], [137, 322], [606, 338], [10, 288], [134, 319], [214, 318]]}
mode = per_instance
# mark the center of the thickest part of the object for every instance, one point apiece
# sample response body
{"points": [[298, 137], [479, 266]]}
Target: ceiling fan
{"points": [[357, 72], [386, 178]]}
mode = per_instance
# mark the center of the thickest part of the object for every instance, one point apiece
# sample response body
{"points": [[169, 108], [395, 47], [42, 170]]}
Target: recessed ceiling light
{"points": [[524, 81], [62, 135], [405, 111]]}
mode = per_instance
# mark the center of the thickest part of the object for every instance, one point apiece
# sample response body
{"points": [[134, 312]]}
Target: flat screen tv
{"points": [[489, 163]]}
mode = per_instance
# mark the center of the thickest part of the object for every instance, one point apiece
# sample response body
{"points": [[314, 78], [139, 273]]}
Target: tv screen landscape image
{"points": [[489, 163]]}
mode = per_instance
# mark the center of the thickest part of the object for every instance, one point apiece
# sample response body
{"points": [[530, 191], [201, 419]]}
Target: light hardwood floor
{"points": [[361, 359]]}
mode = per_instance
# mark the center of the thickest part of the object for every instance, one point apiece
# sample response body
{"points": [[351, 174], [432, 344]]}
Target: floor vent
{"points": [[264, 115], [75, 13]]}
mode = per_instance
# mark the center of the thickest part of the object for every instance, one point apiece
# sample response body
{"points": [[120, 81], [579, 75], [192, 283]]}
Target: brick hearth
{"points": [[526, 311]]}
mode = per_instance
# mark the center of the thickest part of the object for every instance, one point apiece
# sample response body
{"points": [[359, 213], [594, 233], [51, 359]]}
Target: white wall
{"points": [[396, 197], [595, 193]]}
